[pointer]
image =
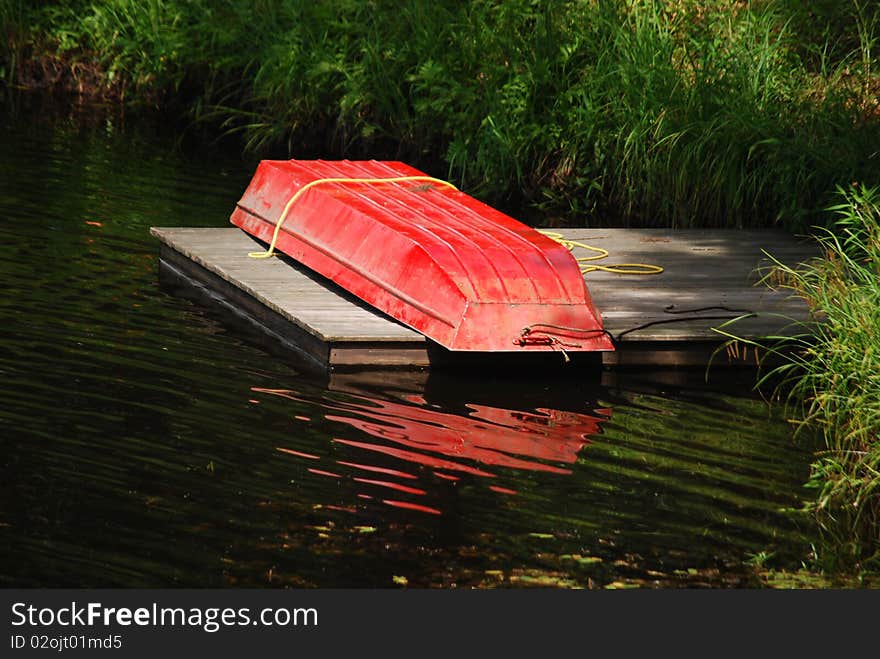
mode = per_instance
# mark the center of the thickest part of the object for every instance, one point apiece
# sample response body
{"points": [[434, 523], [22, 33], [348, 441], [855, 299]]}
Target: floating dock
{"points": [[667, 319]]}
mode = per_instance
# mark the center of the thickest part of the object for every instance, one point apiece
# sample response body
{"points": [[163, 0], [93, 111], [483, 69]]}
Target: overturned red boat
{"points": [[434, 258]]}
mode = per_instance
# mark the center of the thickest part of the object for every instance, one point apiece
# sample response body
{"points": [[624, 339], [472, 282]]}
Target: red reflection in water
{"points": [[502, 490], [544, 435], [418, 458], [390, 485], [321, 472], [378, 470], [412, 506], [540, 440], [298, 453]]}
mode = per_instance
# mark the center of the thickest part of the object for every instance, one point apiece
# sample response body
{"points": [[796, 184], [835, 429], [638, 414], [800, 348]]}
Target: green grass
{"points": [[830, 376], [636, 112]]}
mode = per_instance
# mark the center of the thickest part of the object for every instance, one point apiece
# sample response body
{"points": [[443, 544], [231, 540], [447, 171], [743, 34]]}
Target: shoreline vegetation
{"points": [[633, 113], [828, 375], [636, 113]]}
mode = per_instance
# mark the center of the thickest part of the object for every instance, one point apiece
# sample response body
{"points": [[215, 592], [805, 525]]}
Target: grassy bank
{"points": [[635, 112], [830, 376]]}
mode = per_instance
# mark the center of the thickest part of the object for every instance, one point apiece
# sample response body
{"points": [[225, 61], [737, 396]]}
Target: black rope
{"points": [[576, 331], [669, 310]]}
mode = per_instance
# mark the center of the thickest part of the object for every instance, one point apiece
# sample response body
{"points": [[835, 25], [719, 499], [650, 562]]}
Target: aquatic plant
{"points": [[829, 374]]}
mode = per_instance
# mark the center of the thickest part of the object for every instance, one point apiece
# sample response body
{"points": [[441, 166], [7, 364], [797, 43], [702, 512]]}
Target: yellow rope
{"points": [[617, 268], [290, 202]]}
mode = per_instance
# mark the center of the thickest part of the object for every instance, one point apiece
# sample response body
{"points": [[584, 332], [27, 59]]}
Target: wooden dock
{"points": [[667, 319]]}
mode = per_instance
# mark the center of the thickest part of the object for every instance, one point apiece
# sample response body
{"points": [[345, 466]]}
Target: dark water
{"points": [[146, 443]]}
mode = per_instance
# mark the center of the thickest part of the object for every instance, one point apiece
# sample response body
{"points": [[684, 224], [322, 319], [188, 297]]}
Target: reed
{"points": [[829, 375]]}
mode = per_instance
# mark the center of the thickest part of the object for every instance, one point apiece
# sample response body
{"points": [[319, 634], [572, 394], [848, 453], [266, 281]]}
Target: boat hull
{"points": [[462, 273]]}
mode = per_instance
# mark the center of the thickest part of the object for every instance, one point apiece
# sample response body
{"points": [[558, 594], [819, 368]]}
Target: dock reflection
{"points": [[404, 450]]}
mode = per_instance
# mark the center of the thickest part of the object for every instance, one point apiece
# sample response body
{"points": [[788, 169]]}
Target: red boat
{"points": [[434, 258]]}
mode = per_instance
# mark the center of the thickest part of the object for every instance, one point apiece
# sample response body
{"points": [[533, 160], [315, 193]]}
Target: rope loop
{"points": [[600, 253], [626, 269]]}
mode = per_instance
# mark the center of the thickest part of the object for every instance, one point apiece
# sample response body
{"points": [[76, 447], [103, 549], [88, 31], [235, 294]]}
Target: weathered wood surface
{"points": [[667, 319], [701, 269], [308, 314]]}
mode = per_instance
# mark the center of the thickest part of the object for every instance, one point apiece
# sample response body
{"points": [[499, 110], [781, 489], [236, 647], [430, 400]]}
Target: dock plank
{"points": [[709, 277]]}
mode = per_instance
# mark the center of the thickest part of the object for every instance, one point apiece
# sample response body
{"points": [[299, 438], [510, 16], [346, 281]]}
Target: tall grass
{"points": [[831, 377], [640, 112]]}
